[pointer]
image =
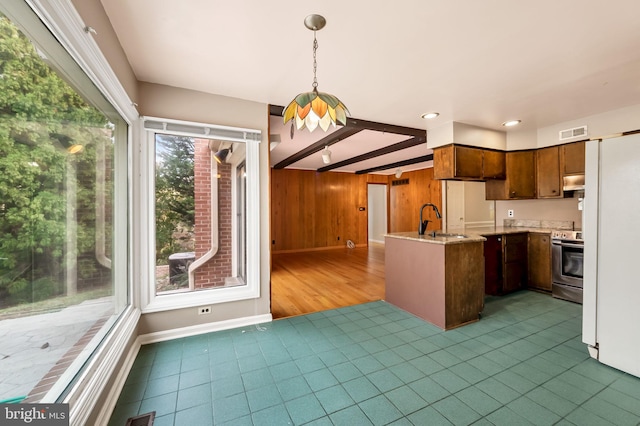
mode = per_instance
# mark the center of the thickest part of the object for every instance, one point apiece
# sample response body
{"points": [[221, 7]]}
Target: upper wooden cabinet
{"points": [[494, 164], [572, 155], [548, 172], [521, 178], [467, 163]]}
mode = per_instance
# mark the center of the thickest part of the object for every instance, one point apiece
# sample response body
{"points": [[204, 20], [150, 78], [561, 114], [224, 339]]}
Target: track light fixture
{"points": [[326, 155]]}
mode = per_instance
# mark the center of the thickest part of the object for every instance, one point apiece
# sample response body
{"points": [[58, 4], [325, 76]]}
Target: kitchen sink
{"points": [[447, 235]]}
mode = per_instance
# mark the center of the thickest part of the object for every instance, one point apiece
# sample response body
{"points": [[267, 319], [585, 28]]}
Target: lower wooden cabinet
{"points": [[505, 263], [493, 265], [515, 262], [539, 251]]}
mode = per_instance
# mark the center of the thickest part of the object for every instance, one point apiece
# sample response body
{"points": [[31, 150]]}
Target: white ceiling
{"points": [[476, 62]]}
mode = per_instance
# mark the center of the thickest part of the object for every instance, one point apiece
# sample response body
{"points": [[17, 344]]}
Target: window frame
{"points": [[150, 301], [82, 53]]}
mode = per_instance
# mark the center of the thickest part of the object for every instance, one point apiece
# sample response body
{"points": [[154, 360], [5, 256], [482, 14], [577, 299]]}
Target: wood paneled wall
{"points": [[405, 201], [310, 210]]}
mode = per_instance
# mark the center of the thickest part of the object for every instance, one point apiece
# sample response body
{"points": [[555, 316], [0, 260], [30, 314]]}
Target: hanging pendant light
{"points": [[314, 108]]}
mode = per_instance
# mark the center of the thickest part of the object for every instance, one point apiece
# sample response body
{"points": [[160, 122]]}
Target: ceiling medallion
{"points": [[313, 109]]}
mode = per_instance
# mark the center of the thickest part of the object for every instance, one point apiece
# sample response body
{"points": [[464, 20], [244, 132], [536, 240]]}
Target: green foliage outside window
{"points": [[175, 210], [40, 115]]}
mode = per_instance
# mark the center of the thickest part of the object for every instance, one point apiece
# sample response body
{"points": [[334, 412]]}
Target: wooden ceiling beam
{"points": [[408, 162], [337, 136], [378, 152]]}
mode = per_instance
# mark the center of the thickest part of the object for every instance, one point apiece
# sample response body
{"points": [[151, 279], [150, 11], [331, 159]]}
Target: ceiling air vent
{"points": [[576, 132]]}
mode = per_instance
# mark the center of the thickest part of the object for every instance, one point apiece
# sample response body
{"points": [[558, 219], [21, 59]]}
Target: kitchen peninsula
{"points": [[439, 278]]}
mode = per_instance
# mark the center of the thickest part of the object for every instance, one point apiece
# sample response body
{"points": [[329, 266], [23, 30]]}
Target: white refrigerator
{"points": [[611, 232]]}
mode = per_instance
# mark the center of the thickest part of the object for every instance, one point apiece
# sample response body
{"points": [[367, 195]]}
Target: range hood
{"points": [[573, 183]]}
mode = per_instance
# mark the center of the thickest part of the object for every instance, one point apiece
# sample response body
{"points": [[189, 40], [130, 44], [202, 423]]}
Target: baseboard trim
{"points": [[194, 330], [302, 250]]}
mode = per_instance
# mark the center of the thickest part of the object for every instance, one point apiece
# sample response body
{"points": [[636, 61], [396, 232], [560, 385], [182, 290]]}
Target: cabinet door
{"points": [[493, 265], [573, 158], [513, 277], [515, 262], [443, 162], [468, 162], [521, 178], [494, 165], [521, 174], [548, 172], [539, 251], [457, 162]]}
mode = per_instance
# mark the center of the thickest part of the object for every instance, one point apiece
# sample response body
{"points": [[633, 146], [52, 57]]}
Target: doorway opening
{"points": [[377, 207]]}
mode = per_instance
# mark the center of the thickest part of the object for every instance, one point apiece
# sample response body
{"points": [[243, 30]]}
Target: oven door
{"points": [[568, 260]]}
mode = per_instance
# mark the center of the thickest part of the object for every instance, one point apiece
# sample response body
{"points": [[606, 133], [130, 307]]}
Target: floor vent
{"points": [[142, 419], [576, 132]]}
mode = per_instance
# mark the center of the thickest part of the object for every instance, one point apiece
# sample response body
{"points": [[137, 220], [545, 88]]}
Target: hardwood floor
{"points": [[307, 282]]}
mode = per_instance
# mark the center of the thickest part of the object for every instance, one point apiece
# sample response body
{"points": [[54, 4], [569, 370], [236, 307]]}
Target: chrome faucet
{"points": [[422, 226]]}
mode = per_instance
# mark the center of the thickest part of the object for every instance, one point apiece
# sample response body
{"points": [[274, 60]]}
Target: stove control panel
{"points": [[566, 235]]}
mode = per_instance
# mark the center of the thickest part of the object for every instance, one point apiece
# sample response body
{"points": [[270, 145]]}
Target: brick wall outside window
{"points": [[214, 272]]}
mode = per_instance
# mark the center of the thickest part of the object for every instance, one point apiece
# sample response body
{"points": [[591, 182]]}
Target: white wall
{"points": [[598, 126], [465, 134]]}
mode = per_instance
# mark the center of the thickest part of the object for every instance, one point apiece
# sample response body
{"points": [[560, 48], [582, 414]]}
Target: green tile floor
{"points": [[374, 364]]}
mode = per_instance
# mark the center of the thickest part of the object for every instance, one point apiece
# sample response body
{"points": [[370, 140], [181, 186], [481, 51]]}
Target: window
{"points": [[63, 212], [205, 206]]}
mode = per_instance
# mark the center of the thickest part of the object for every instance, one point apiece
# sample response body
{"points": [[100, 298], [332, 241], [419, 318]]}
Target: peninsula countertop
{"points": [[454, 237], [465, 235]]}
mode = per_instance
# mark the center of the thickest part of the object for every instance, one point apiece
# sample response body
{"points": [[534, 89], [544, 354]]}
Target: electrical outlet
{"points": [[202, 310], [510, 213]]}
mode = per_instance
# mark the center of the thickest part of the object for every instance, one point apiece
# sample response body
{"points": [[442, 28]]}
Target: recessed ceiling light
{"points": [[511, 123], [430, 115]]}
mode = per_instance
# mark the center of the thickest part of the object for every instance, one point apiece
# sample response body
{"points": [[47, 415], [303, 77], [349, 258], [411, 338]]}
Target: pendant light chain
{"points": [[315, 109], [315, 63]]}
